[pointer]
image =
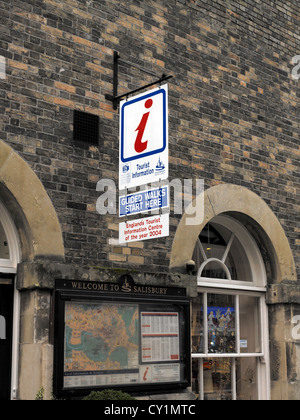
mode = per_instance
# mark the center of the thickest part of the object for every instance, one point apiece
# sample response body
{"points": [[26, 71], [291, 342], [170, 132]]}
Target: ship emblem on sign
{"points": [[126, 283], [126, 169], [160, 168]]}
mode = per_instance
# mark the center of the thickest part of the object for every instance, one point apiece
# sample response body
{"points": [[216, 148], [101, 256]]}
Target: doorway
{"points": [[6, 328]]}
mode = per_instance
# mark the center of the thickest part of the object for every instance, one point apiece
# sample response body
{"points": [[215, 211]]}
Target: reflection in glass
{"points": [[197, 325], [250, 336], [4, 249], [213, 379], [217, 246], [217, 379], [214, 270], [226, 379], [240, 269], [247, 385]]}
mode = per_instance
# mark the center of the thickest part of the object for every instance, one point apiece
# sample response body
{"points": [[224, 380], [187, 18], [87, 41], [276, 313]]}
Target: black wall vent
{"points": [[86, 128]]}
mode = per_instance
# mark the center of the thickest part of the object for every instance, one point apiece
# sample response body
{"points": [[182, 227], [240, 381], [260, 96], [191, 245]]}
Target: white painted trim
{"points": [[230, 285], [257, 288], [10, 266], [219, 262], [251, 249], [226, 355], [15, 346]]}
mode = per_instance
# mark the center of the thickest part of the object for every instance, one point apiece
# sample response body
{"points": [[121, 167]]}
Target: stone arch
{"points": [[237, 200], [30, 207]]}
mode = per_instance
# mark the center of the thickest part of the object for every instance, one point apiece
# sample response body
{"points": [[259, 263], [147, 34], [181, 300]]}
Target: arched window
{"points": [[229, 317], [9, 258], [4, 248], [226, 251], [9, 244]]}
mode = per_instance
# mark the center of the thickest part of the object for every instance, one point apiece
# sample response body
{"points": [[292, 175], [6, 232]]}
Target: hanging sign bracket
{"points": [[114, 98]]}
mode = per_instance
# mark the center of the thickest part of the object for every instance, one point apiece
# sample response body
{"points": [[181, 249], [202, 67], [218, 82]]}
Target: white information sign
{"points": [[144, 155], [160, 336], [160, 373], [144, 229]]}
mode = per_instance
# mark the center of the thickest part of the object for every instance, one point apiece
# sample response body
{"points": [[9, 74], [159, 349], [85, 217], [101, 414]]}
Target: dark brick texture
{"points": [[234, 106]]}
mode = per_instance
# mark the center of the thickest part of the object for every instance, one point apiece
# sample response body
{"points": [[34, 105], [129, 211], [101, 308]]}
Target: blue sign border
{"points": [[164, 202], [142, 98]]}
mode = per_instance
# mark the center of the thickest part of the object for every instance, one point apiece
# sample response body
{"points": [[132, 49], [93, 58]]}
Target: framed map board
{"points": [[130, 341]]}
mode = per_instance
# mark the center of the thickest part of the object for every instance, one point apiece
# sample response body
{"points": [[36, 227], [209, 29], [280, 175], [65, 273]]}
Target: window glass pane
{"points": [[219, 243], [247, 384], [212, 379], [198, 256], [250, 333], [214, 243], [4, 249], [197, 325], [196, 381], [221, 323], [214, 270], [238, 263], [217, 376]]}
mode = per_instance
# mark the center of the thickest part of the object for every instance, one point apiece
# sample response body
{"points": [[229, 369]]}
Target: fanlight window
{"points": [[226, 251], [9, 244], [4, 248]]}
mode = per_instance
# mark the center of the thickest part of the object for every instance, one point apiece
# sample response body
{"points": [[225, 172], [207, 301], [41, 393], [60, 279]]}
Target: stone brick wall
{"points": [[234, 107]]}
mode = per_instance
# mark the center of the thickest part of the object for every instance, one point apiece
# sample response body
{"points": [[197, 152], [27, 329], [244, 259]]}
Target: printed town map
{"points": [[100, 338]]}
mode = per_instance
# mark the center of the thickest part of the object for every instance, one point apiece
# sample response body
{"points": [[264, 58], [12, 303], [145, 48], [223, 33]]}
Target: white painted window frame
{"points": [[10, 267], [257, 288]]}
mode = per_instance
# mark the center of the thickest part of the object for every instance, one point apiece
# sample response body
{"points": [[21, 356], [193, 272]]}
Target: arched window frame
{"points": [[236, 289], [256, 263], [9, 265]]}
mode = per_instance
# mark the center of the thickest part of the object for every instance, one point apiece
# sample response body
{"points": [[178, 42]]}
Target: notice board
{"points": [[135, 340]]}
